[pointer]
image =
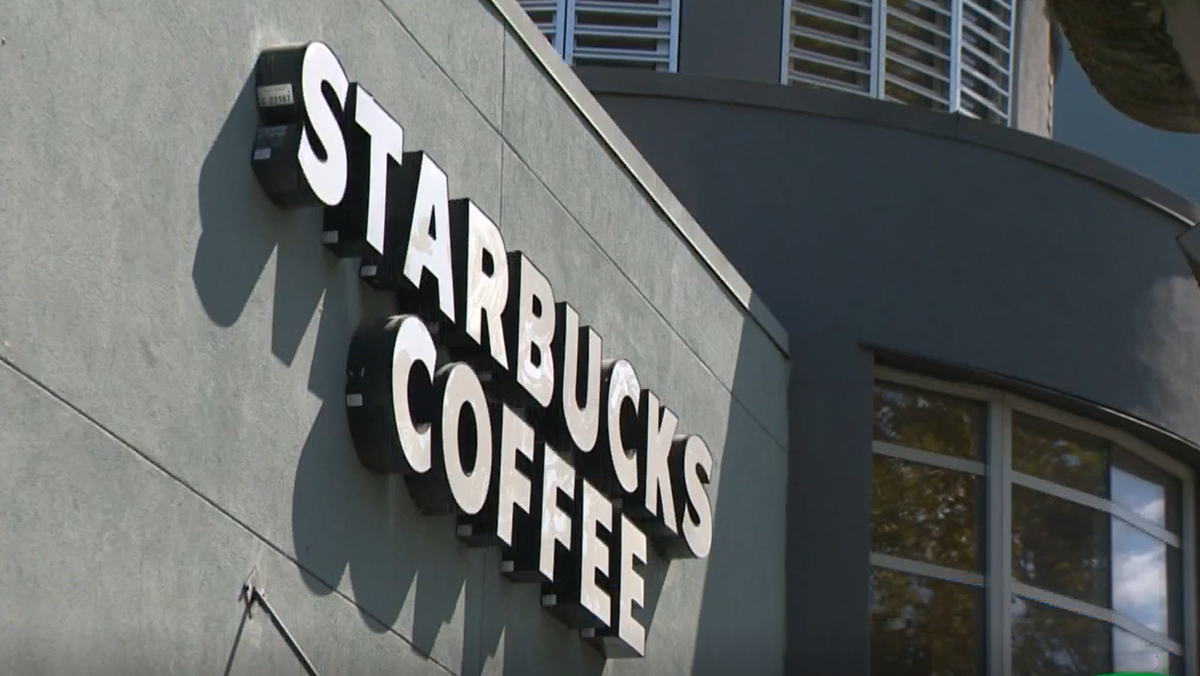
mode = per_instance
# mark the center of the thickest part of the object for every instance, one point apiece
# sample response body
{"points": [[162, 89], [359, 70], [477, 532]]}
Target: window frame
{"points": [[997, 580]]}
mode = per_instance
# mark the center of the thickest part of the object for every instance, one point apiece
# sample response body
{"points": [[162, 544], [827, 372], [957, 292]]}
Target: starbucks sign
{"points": [[488, 394]]}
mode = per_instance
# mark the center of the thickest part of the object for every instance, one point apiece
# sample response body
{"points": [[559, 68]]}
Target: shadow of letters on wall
{"points": [[488, 397]]}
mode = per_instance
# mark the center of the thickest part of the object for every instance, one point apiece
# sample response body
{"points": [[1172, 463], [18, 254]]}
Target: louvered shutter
{"points": [[830, 44], [917, 53], [549, 16], [986, 59], [946, 55], [637, 33]]}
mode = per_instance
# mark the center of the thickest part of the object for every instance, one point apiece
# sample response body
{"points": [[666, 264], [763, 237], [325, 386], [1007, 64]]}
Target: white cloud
{"points": [[1139, 576]]}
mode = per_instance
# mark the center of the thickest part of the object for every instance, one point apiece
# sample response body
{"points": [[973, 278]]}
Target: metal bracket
{"points": [[251, 594]]}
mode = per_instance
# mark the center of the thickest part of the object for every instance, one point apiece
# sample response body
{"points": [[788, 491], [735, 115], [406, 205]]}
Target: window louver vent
{"points": [[946, 55], [986, 40], [831, 44], [632, 33], [917, 58]]}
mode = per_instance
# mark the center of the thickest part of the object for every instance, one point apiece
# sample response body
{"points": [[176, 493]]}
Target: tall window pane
{"points": [[1048, 641], [927, 421], [1060, 454], [1060, 546], [925, 513], [1146, 490], [921, 626], [1139, 576]]}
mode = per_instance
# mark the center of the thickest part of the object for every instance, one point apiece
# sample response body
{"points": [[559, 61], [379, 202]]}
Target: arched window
{"points": [[1012, 538]]}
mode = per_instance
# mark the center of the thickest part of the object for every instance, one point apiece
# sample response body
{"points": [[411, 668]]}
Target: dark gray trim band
{"points": [[828, 103], [625, 152]]}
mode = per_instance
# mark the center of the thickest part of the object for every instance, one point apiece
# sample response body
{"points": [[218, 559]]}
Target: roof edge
{"points": [[828, 103], [623, 150]]}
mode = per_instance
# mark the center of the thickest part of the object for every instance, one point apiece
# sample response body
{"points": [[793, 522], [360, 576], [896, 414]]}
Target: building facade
{"points": [[191, 362], [988, 59], [979, 319], [374, 337]]}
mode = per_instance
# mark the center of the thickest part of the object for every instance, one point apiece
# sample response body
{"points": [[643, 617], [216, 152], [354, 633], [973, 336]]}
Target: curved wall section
{"points": [[868, 227]]}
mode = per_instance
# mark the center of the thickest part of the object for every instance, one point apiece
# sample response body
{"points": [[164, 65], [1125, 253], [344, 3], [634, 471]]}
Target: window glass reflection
{"points": [[929, 422], [1131, 653], [925, 513], [1139, 576], [1047, 641], [1060, 546], [1146, 490], [1060, 454], [922, 626]]}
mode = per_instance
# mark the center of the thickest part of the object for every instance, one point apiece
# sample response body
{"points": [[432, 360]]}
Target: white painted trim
{"points": [[1123, 439], [956, 60], [785, 43], [673, 58], [1191, 623], [1062, 602], [560, 28], [1014, 43], [927, 458], [1099, 504], [1146, 634], [878, 47], [1097, 613], [926, 569], [981, 394], [998, 542], [568, 50], [1146, 526]]}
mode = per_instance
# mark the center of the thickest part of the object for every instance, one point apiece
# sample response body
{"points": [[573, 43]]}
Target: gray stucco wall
{"points": [[172, 355], [870, 226]]}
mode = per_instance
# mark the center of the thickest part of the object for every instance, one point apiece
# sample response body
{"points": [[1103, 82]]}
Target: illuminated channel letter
{"points": [[627, 637], [462, 394], [579, 354], [481, 277], [385, 144], [580, 601], [391, 429], [358, 225], [654, 500], [294, 166], [529, 320], [620, 414], [515, 488], [558, 478], [691, 467], [326, 175]]}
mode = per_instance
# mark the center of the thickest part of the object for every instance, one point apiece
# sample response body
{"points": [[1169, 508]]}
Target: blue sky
{"points": [[1084, 120]]}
